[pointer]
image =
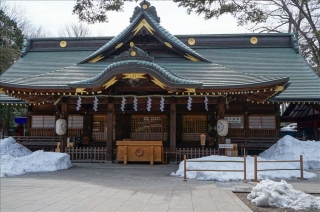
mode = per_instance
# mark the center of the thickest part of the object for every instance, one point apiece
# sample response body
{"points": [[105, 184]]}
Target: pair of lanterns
{"points": [[222, 127]]}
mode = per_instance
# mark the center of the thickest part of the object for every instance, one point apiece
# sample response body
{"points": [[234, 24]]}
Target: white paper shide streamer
{"points": [[95, 104], [189, 103], [78, 103], [135, 103], [162, 104], [123, 103], [149, 102], [206, 102]]}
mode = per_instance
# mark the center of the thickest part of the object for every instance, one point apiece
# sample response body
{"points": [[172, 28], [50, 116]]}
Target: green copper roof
{"points": [[127, 34], [132, 66]]}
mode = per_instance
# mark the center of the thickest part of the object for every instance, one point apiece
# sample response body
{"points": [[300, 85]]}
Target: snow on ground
{"points": [[281, 194], [17, 160], [9, 146], [289, 148], [229, 176]]}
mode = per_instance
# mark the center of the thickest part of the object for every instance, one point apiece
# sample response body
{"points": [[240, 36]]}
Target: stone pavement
{"points": [[115, 187]]}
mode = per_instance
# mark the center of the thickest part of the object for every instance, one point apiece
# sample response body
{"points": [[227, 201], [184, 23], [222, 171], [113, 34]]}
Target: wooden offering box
{"points": [[139, 151]]}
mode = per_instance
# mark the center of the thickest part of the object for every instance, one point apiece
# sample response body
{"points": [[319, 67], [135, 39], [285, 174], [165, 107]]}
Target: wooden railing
{"points": [[244, 170], [87, 154], [190, 152], [276, 161], [37, 140], [262, 133]]}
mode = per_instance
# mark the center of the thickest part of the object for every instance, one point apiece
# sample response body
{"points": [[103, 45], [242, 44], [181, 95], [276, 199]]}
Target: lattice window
{"points": [[193, 126], [149, 127], [236, 125], [262, 122], [43, 122], [99, 127], [75, 122]]}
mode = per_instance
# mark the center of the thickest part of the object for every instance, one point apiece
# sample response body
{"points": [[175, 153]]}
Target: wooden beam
{"points": [[221, 109], [65, 112], [173, 126], [110, 130]]}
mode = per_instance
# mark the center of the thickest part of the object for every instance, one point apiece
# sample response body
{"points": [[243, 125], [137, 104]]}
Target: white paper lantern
{"points": [[222, 127], [61, 126]]}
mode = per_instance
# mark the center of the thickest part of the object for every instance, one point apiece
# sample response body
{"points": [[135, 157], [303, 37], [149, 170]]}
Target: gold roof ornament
{"points": [[145, 6], [168, 44], [190, 57], [63, 43], [279, 88], [158, 83], [110, 82], [253, 40], [80, 90], [131, 44], [191, 41], [134, 76], [118, 46], [133, 53], [96, 59], [143, 23], [190, 90]]}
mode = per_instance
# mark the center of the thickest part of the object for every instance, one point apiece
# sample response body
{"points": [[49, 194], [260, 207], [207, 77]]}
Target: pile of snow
{"points": [[281, 194], [9, 146], [229, 176], [289, 148], [289, 129], [17, 160]]}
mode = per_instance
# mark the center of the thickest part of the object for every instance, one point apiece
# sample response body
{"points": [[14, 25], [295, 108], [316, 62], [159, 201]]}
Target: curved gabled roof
{"points": [[132, 66], [147, 16]]}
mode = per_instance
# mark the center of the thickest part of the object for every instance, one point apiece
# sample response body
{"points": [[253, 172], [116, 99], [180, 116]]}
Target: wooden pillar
{"points": [[277, 117], [173, 126], [298, 129], [6, 131], [110, 114], [221, 109], [65, 113], [315, 129], [246, 125], [277, 135]]}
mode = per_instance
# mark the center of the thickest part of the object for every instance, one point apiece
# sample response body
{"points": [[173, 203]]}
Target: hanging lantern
{"points": [[61, 126], [222, 127]]}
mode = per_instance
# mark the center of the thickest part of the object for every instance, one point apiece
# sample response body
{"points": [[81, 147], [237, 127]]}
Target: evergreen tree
{"points": [[11, 41]]}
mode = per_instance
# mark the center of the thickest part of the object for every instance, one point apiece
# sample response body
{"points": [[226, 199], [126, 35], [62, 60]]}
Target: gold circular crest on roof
{"points": [[191, 41], [63, 44], [133, 53], [144, 6], [132, 44], [254, 40]]}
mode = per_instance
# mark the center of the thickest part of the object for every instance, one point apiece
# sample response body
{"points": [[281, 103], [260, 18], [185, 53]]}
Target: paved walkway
{"points": [[115, 187]]}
